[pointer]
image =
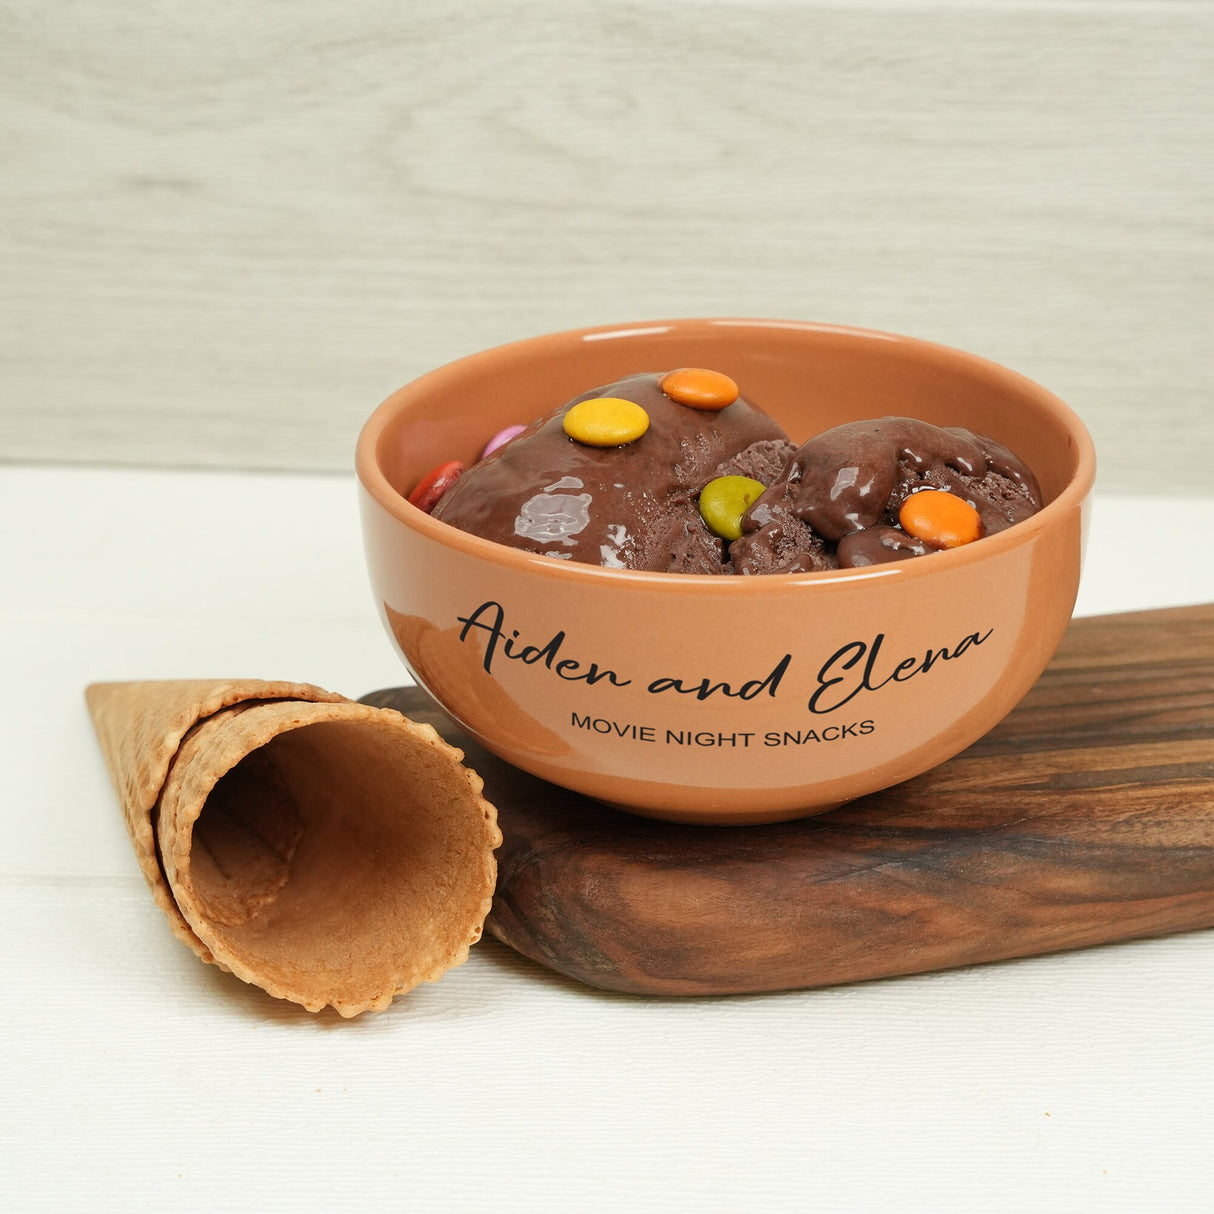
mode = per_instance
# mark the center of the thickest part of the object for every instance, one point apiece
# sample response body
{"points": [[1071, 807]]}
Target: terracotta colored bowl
{"points": [[724, 699]]}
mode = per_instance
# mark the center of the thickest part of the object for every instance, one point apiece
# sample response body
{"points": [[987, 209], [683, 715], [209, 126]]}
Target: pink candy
{"points": [[501, 438]]}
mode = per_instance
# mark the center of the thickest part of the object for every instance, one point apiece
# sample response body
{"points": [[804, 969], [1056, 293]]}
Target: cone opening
{"points": [[244, 841], [336, 858]]}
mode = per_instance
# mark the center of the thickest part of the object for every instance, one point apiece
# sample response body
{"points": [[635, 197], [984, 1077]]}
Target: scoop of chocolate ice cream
{"points": [[632, 506], [838, 503]]}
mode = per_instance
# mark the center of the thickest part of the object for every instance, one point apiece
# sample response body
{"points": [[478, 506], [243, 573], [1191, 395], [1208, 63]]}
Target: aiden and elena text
{"points": [[853, 669]]}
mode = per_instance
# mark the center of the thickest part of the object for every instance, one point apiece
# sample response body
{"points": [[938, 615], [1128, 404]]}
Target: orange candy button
{"points": [[940, 518], [700, 389]]}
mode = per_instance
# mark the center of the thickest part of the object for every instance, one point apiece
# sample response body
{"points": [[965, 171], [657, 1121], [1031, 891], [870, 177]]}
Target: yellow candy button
{"points": [[723, 502], [606, 421]]}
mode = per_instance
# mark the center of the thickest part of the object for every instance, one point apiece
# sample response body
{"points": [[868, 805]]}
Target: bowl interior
{"points": [[808, 377]]}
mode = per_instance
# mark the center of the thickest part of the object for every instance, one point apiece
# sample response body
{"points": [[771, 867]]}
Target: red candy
{"points": [[430, 489]]}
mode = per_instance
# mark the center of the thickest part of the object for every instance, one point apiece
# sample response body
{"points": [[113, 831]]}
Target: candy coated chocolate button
{"points": [[501, 438], [723, 502], [430, 489], [606, 421], [940, 518], [699, 388]]}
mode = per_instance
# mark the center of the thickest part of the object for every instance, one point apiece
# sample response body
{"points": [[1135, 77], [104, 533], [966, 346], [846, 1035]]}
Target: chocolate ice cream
{"points": [[839, 503], [630, 506], [645, 489]]}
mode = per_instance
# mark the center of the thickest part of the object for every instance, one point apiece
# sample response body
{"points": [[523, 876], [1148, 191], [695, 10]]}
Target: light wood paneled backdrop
{"points": [[229, 230]]}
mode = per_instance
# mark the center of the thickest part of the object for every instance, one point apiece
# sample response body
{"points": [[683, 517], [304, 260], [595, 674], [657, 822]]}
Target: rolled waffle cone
{"points": [[330, 853]]}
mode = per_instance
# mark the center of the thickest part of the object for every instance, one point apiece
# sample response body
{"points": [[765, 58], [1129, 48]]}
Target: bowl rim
{"points": [[377, 487]]}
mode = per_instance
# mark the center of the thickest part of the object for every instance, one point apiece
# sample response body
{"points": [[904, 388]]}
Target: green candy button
{"points": [[723, 502]]}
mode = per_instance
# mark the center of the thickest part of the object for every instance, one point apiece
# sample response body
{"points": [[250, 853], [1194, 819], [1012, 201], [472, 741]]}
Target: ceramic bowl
{"points": [[711, 699]]}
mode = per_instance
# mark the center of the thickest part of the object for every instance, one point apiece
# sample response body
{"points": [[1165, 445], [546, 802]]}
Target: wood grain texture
{"points": [[229, 231], [1086, 817]]}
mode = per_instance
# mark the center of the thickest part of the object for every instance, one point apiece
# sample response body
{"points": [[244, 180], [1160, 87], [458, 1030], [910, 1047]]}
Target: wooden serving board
{"points": [[1087, 816]]}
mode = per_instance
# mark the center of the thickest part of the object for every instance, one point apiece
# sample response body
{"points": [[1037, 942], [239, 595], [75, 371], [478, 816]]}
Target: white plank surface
{"points": [[137, 1079], [229, 230]]}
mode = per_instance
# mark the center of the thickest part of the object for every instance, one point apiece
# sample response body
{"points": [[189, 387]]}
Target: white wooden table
{"points": [[136, 1078]]}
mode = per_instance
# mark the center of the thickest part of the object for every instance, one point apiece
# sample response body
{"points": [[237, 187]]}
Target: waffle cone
{"points": [[330, 853]]}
